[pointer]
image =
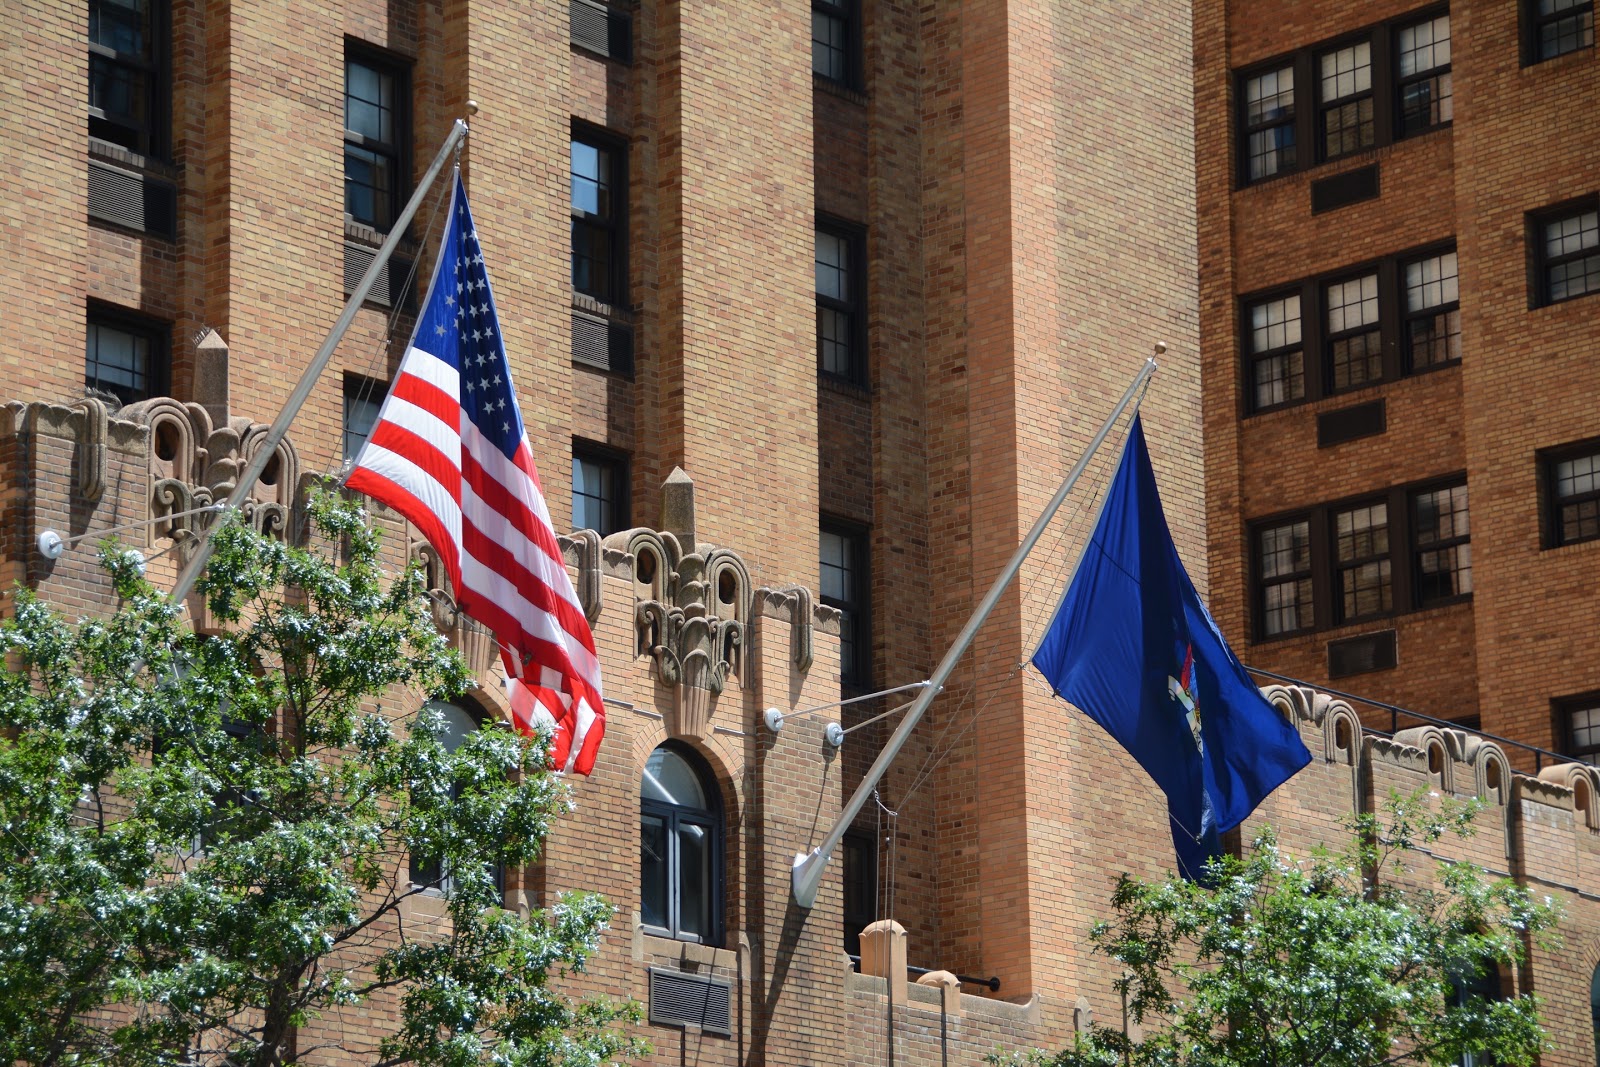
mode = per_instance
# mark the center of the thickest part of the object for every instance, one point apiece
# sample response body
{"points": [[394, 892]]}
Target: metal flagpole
{"points": [[319, 363], [806, 875]]}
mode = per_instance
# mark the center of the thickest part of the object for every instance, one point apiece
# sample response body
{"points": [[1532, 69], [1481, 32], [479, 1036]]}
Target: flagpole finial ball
{"points": [[1161, 348], [472, 107]]}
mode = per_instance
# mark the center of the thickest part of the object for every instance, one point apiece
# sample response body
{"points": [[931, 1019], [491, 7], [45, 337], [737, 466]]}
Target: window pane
{"points": [[1424, 46], [1573, 234], [1347, 71], [828, 55], [1275, 323], [1280, 379], [1431, 282], [368, 185], [591, 180], [369, 102], [360, 413], [117, 361], [591, 259], [1269, 97], [837, 583], [1441, 515], [1575, 477], [595, 494], [833, 266], [1353, 304], [833, 341], [1565, 26], [694, 879], [1357, 360], [1287, 607], [1271, 150], [670, 778], [653, 872], [1362, 532], [1285, 549]]}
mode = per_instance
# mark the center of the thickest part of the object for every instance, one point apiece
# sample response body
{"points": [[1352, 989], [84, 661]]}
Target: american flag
{"points": [[449, 453]]}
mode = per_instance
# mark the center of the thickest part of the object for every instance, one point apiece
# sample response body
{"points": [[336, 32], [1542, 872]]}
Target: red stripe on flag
{"points": [[386, 491]]}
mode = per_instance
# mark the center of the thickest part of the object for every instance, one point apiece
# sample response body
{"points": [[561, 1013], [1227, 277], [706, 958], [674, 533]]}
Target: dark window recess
{"points": [[602, 30], [1350, 424], [1342, 190], [845, 587], [363, 398], [1556, 27], [133, 200], [392, 289], [860, 888], [126, 355], [602, 344], [1284, 598], [599, 489], [377, 117], [1332, 334], [129, 74], [1565, 247], [1572, 495], [1336, 98], [1441, 548], [430, 872], [1360, 655], [678, 999]]}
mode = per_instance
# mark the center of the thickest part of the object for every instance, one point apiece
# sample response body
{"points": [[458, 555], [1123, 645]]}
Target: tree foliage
{"points": [[1359, 958], [204, 840]]}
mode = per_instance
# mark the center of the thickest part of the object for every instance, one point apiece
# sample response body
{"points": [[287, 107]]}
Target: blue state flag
{"points": [[1135, 649]]}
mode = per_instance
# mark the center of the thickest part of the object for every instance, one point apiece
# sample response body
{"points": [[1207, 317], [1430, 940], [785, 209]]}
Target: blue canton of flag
{"points": [[468, 332], [1136, 650]]}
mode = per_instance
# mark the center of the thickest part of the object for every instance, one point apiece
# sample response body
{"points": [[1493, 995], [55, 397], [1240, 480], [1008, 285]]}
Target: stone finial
{"points": [[677, 508], [1082, 1016], [949, 990], [883, 953], [211, 376]]}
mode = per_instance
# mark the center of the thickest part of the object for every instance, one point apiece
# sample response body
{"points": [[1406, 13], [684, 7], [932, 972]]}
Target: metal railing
{"points": [[1541, 756]]}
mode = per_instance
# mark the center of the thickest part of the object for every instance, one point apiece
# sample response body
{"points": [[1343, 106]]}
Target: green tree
{"points": [[1359, 958], [204, 840]]}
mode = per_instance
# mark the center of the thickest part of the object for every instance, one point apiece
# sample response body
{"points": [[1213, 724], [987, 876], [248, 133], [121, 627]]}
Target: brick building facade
{"points": [[830, 456]]}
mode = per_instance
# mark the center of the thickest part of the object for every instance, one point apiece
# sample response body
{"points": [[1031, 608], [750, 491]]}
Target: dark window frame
{"points": [[620, 465], [860, 873], [714, 820], [1339, 567], [399, 151], [1416, 548], [1316, 338], [153, 68], [158, 334], [1562, 709], [1260, 583], [1551, 502], [848, 14], [1377, 89], [854, 305], [1540, 264], [613, 227], [1409, 365], [360, 387], [1532, 24], [1309, 107], [1405, 593], [1404, 81], [1381, 273], [858, 609]]}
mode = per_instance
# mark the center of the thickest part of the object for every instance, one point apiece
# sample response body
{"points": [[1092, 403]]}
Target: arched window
{"points": [[458, 723], [680, 847]]}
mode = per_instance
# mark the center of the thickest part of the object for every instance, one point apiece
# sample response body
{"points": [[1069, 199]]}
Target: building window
{"points": [[1283, 569], [1277, 360], [599, 490], [1567, 252], [1346, 96], [680, 847], [363, 397], [833, 37], [1354, 342], [1572, 480], [1557, 27], [840, 346], [860, 888], [1362, 573], [1345, 108], [844, 587], [1405, 549], [376, 165], [1397, 317], [1441, 546], [431, 873], [1578, 726], [1269, 123], [124, 355], [598, 187], [1594, 1012], [1422, 57], [1432, 332], [128, 81]]}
